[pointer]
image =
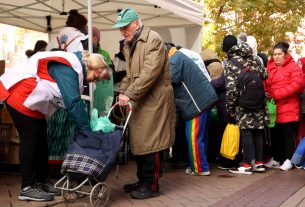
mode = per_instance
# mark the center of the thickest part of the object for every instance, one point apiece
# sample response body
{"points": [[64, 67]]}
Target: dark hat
{"points": [[264, 58], [169, 45], [228, 42]]}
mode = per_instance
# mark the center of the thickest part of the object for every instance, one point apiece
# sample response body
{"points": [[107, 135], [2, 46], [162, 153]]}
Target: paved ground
{"points": [[272, 188]]}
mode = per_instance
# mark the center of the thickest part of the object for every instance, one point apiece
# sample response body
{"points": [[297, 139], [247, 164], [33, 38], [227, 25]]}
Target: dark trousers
{"points": [[33, 152], [252, 143], [149, 169], [283, 141], [180, 150]]}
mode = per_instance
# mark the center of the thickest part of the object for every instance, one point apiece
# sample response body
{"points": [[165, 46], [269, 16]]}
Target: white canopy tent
{"points": [[178, 21]]}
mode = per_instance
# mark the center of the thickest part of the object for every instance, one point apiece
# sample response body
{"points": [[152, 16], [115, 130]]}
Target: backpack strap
{"points": [[208, 62], [59, 45], [236, 63], [66, 44]]}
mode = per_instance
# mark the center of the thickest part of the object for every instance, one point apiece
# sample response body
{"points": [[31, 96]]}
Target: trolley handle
{"points": [[128, 116]]}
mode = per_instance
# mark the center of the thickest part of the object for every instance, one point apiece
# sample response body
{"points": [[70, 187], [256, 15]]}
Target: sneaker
{"points": [[298, 166], [190, 172], [272, 164], [244, 169], [144, 193], [35, 194], [258, 167], [49, 188], [128, 188], [223, 167], [286, 165]]}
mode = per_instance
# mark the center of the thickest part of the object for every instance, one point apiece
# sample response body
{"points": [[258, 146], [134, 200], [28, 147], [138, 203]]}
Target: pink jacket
{"points": [[284, 84]]}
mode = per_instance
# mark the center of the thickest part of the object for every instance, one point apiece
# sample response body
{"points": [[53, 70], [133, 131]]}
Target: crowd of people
{"points": [[174, 92]]}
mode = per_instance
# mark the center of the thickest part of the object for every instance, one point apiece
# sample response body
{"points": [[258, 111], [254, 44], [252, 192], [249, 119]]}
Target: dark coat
{"points": [[184, 70]]}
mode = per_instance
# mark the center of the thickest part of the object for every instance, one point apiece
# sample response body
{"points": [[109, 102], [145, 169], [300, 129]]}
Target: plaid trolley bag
{"points": [[89, 158], [92, 153]]}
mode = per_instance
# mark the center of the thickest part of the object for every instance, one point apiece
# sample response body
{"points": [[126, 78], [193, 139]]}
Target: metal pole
{"points": [[90, 50]]}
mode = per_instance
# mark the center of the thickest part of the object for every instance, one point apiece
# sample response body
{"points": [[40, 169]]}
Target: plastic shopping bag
{"points": [[272, 112], [100, 123], [230, 141], [298, 157]]}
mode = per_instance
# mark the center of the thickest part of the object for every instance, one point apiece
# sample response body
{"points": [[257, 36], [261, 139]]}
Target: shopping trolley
{"points": [[89, 159]]}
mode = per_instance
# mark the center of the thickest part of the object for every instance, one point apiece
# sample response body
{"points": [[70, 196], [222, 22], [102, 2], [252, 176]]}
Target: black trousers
{"points": [[180, 148], [150, 169], [252, 142], [283, 141], [33, 152]]}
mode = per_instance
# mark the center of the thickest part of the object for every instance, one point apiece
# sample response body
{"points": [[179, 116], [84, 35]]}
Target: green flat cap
{"points": [[125, 17]]}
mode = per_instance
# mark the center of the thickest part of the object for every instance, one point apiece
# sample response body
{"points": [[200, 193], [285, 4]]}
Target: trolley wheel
{"points": [[69, 196], [99, 195]]}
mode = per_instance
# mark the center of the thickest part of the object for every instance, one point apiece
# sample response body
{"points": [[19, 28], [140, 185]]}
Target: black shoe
{"points": [[223, 167], [128, 188], [49, 188], [180, 165], [144, 193]]}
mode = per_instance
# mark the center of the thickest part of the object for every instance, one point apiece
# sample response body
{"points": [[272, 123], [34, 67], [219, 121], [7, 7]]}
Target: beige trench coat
{"points": [[148, 85]]}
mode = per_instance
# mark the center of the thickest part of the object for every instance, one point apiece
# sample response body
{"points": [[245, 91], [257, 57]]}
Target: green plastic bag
{"points": [[103, 96], [272, 112], [100, 123]]}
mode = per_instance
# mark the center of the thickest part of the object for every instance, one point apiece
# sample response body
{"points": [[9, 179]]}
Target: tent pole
{"points": [[90, 50]]}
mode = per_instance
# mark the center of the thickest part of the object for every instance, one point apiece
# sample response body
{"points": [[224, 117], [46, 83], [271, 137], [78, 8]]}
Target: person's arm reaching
{"points": [[67, 81]]}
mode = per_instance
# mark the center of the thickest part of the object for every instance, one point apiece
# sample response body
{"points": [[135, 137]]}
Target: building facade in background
{"points": [[14, 41]]}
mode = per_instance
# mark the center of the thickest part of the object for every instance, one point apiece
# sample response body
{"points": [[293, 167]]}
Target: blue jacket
{"points": [[184, 70]]}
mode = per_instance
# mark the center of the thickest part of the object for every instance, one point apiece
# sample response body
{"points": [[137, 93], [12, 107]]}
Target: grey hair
{"points": [[241, 37]]}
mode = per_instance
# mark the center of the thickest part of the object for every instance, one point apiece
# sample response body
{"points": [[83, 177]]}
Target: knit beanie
{"points": [[228, 42], [251, 41]]}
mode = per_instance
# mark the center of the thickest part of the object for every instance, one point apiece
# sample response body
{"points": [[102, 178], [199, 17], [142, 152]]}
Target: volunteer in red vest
{"points": [[32, 92]]}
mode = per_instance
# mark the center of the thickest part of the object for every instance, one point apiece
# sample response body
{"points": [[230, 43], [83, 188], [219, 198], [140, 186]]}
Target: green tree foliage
{"points": [[267, 20]]}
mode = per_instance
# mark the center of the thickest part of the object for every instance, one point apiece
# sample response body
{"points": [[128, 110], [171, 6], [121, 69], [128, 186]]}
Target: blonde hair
{"points": [[94, 61]]}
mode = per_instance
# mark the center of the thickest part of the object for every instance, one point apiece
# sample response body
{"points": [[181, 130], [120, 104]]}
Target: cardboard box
{"points": [[5, 116], [9, 145], [5, 132], [9, 153], [2, 66]]}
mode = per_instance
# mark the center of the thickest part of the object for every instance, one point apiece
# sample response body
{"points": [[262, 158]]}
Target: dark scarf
{"points": [[132, 43]]}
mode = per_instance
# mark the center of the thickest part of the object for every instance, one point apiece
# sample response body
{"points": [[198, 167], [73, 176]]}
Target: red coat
{"points": [[284, 84]]}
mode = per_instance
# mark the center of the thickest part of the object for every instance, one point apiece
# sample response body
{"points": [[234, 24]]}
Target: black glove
{"points": [[231, 118]]}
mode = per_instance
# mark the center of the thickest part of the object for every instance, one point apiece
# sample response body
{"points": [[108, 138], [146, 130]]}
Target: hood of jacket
{"points": [[243, 50]]}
